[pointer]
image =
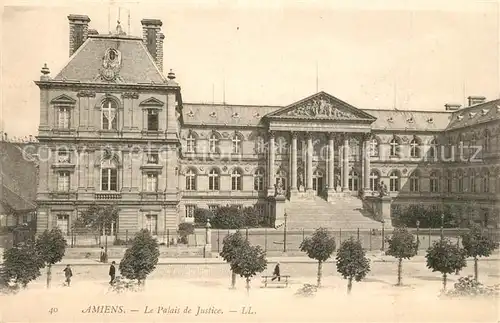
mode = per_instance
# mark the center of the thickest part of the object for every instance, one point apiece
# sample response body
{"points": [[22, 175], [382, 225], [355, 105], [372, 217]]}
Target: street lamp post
{"points": [[418, 236], [383, 234], [284, 235], [442, 225]]}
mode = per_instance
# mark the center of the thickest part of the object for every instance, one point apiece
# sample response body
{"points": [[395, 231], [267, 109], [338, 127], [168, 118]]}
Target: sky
{"points": [[412, 55]]}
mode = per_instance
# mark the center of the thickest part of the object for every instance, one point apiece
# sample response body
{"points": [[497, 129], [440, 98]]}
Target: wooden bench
{"points": [[267, 280]]}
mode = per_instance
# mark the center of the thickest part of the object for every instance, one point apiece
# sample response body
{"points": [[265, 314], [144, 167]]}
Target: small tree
{"points": [[231, 245], [50, 247], [477, 243], [141, 258], [445, 257], [96, 219], [249, 261], [352, 262], [402, 245], [319, 246], [21, 264]]}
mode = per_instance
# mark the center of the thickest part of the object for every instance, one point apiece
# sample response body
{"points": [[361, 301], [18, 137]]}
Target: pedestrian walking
{"points": [[102, 255], [68, 273], [276, 272], [112, 273]]}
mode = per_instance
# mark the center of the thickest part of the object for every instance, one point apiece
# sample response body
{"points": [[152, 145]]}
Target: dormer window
{"points": [[411, 120], [109, 115], [460, 117], [472, 114]]}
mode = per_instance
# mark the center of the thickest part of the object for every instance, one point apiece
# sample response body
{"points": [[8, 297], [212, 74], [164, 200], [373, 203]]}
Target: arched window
{"points": [[449, 181], [318, 181], [394, 181], [258, 180], [374, 180], [415, 182], [281, 146], [374, 147], [213, 143], [191, 143], [236, 180], [190, 180], [213, 180], [460, 181], [353, 181], [281, 176], [433, 149], [485, 181], [434, 182], [394, 147], [260, 145], [109, 176], [237, 144], [354, 148], [414, 148], [109, 116]]}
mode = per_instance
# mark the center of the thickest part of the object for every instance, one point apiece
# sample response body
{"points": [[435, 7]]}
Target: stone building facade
{"points": [[114, 129]]}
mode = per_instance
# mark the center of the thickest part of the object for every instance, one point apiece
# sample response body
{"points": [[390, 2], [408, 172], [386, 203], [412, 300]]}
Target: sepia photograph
{"points": [[250, 161]]}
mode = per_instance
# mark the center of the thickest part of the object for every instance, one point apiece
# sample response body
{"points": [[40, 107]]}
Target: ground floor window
{"points": [[63, 223], [190, 210], [152, 223]]}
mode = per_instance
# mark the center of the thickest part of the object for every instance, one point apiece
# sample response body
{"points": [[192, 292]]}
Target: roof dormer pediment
{"points": [[152, 102], [63, 99]]}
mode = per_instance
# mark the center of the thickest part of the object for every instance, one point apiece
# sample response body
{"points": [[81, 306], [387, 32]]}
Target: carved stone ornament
{"points": [[190, 114], [111, 64], [130, 95], [225, 135], [320, 107], [86, 93]]}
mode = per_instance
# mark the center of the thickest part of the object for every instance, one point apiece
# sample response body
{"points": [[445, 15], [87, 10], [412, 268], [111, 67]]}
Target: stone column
{"points": [[270, 177], [293, 184], [366, 168], [345, 170], [309, 158], [331, 162]]}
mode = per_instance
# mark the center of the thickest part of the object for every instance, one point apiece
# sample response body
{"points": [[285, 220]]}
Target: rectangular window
{"points": [[152, 223], [63, 118], [260, 209], [110, 229], [109, 179], [190, 211], [151, 182], [152, 119], [63, 181], [63, 223]]}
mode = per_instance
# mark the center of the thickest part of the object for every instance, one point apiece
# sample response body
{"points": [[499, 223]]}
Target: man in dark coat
{"points": [[276, 272], [68, 274], [112, 272]]}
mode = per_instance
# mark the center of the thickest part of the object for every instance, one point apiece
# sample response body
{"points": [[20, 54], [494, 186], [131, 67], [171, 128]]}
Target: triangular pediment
{"points": [[152, 102], [321, 106], [63, 99]]}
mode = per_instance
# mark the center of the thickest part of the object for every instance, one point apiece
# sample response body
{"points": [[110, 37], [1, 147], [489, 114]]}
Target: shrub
{"points": [[308, 290], [228, 217], [201, 216], [468, 286], [185, 229], [121, 285], [21, 265]]}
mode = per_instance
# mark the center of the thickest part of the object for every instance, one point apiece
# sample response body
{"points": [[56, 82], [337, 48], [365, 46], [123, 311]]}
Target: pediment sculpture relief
{"points": [[320, 108]]}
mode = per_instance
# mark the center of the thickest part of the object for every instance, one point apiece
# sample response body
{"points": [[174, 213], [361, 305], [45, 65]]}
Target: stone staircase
{"points": [[344, 212]]}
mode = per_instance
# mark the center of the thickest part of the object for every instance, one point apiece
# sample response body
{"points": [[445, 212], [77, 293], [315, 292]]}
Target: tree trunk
{"points": [[320, 272], [476, 274], [233, 279], [49, 275], [349, 285], [444, 282], [248, 285], [400, 269]]}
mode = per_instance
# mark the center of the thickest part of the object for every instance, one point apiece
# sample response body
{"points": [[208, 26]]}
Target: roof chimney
{"points": [[78, 31], [473, 100], [153, 39], [452, 106]]}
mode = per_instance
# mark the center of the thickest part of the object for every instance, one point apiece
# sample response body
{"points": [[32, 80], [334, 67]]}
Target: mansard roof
{"points": [[476, 114], [137, 65], [406, 120]]}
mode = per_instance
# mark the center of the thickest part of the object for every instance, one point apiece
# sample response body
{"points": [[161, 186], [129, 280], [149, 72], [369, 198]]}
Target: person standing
{"points": [[112, 273], [102, 254], [276, 272], [68, 273]]}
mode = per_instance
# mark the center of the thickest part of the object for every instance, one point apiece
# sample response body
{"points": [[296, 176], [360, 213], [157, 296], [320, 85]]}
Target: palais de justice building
{"points": [[113, 128]]}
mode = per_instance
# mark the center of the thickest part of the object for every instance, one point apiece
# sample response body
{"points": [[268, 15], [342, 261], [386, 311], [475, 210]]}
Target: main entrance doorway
{"points": [[318, 177]]}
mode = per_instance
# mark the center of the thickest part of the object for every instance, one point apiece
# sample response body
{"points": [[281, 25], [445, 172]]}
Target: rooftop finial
{"points": [[171, 75], [119, 30], [45, 73]]}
